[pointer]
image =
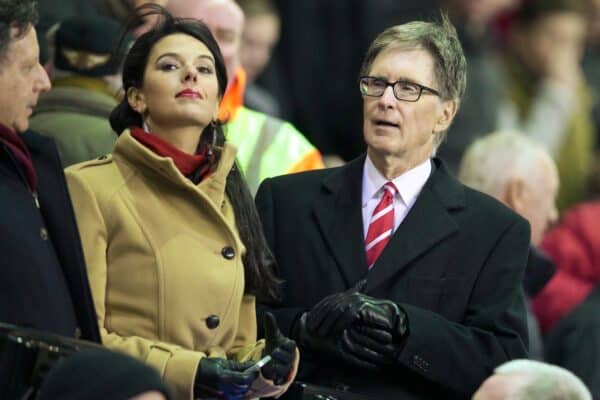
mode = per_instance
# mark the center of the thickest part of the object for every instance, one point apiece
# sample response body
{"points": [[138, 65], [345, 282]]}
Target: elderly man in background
{"points": [[267, 146], [521, 174], [43, 283], [532, 380]]}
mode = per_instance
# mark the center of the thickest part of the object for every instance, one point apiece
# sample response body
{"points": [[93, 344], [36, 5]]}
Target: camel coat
{"points": [[164, 262]]}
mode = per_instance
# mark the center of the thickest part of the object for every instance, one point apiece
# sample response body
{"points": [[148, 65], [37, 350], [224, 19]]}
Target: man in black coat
{"points": [[43, 282], [399, 282]]}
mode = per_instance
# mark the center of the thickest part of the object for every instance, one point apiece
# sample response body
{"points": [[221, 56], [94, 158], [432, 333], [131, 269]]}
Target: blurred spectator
{"points": [[532, 380], [574, 246], [53, 12], [546, 96], [267, 146], [521, 174], [574, 343], [122, 10], [567, 308], [102, 375], [260, 35], [479, 106], [75, 112]]}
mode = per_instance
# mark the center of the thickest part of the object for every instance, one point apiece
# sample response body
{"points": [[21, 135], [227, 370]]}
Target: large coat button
{"points": [[212, 321], [228, 252]]}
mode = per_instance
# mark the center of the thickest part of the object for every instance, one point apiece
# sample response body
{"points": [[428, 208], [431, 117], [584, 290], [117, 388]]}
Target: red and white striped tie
{"points": [[381, 226]]}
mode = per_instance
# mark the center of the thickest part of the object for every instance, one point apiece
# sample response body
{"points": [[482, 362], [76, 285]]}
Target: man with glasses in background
{"points": [[399, 282]]}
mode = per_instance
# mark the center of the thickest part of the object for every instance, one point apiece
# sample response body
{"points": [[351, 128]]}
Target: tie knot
{"points": [[390, 189]]}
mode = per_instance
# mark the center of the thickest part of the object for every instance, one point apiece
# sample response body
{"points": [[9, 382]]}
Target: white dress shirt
{"points": [[409, 185]]}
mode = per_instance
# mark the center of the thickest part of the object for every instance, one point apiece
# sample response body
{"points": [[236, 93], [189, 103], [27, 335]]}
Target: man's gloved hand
{"points": [[223, 379], [378, 334], [335, 312], [281, 349]]}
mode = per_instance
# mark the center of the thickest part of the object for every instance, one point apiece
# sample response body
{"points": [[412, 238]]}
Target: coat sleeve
{"points": [[176, 365], [286, 316], [494, 330]]}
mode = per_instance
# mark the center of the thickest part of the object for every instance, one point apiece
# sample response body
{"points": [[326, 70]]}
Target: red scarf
{"points": [[17, 147], [196, 167]]}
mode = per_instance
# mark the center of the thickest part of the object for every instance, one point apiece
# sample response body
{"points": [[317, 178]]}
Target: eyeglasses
{"points": [[403, 90]]}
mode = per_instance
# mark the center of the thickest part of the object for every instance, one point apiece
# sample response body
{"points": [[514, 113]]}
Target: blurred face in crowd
{"points": [[225, 20], [500, 387], [554, 37], [537, 203], [261, 34], [22, 80], [180, 87], [482, 12], [402, 129]]}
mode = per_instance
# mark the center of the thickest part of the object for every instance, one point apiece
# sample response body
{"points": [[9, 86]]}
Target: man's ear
{"points": [[449, 108], [514, 194], [136, 100]]}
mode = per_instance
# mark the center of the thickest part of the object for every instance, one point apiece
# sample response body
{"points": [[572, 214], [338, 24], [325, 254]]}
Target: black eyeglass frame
{"points": [[392, 84]]}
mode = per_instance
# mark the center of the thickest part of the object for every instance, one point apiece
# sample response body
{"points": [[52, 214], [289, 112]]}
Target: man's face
{"points": [[261, 34], [539, 201], [22, 80], [403, 129]]}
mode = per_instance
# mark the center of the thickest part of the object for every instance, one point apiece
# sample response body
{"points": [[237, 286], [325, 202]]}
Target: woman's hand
{"points": [[223, 379], [281, 349]]}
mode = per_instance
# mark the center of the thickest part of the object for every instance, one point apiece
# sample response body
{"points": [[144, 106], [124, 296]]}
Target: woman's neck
{"points": [[185, 138]]}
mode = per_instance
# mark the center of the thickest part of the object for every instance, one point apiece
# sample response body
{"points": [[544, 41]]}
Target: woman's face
{"points": [[180, 87]]}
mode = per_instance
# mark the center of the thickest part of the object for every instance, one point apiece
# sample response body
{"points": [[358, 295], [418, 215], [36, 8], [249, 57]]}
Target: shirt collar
{"points": [[409, 184]]}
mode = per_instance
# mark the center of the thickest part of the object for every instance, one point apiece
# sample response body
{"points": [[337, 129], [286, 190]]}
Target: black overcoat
{"points": [[455, 265], [40, 249]]}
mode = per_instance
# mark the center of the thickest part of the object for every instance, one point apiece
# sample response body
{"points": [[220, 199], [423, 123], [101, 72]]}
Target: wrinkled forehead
{"points": [[412, 62]]}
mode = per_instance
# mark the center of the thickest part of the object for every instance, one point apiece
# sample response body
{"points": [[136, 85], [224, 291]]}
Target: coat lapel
{"points": [[339, 216], [427, 223]]}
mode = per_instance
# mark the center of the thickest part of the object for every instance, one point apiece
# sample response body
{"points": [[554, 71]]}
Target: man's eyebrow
{"points": [[401, 79]]}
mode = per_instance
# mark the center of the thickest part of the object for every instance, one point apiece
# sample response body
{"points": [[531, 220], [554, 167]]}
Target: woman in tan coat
{"points": [[173, 245]]}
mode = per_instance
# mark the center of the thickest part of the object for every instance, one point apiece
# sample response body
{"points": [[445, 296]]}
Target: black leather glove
{"points": [[281, 349], [223, 379], [330, 345], [336, 312], [378, 334]]}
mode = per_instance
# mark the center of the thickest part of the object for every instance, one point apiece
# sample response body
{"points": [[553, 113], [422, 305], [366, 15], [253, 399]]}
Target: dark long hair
{"points": [[259, 264]]}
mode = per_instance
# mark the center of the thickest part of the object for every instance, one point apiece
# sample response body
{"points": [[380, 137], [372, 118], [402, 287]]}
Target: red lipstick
{"points": [[189, 93]]}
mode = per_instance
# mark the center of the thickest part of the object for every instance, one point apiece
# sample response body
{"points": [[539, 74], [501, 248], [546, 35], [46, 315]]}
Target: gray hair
{"points": [[491, 161], [20, 14], [545, 381], [441, 41]]}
